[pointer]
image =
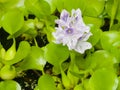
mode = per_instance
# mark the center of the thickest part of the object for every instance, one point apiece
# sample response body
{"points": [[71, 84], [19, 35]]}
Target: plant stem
{"points": [[113, 12], [35, 42]]}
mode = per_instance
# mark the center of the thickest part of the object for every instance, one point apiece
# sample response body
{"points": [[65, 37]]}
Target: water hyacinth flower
{"points": [[72, 31]]}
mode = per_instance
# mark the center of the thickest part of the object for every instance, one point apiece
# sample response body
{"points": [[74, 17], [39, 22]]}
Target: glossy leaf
{"points": [[118, 13], [79, 87], [115, 27], [56, 69], [8, 72], [39, 8], [115, 50], [6, 5], [46, 82], [101, 59], [118, 88], [77, 4], [21, 53], [9, 85], [103, 79], [98, 22], [56, 53], [10, 53], [28, 28], [49, 31], [96, 34], [65, 80], [111, 8], [52, 5], [2, 52], [108, 38], [34, 60], [12, 21], [59, 4], [95, 8]]}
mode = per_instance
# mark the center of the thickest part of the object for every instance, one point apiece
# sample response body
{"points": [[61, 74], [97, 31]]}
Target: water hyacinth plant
{"points": [[59, 44], [72, 31]]}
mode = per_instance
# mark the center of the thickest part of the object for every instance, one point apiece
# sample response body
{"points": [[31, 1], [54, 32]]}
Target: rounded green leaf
{"points": [[8, 72], [112, 8], [59, 4], [39, 8], [34, 60], [68, 4], [118, 88], [93, 7], [66, 80], [12, 21], [96, 33], [9, 85], [108, 38], [56, 53], [108, 6], [21, 53], [118, 12], [98, 22], [46, 82], [115, 50], [79, 87], [52, 5], [103, 79], [101, 59], [10, 53]]}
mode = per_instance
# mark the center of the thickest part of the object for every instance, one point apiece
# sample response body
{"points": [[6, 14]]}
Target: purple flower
{"points": [[72, 31]]}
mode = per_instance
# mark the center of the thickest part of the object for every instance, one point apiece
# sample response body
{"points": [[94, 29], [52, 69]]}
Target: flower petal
{"points": [[72, 31], [82, 46], [64, 15]]}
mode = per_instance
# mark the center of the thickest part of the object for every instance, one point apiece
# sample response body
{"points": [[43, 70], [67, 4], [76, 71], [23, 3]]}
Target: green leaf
{"points": [[79, 87], [66, 4], [118, 12], [52, 5], [56, 53], [40, 8], [9, 85], [28, 28], [66, 81], [2, 52], [10, 53], [46, 82], [103, 79], [96, 34], [93, 8], [77, 4], [56, 69], [34, 60], [59, 4], [21, 53], [6, 5], [108, 38], [101, 59], [115, 27], [118, 88], [12, 21], [48, 32], [115, 50], [98, 22], [111, 8], [8, 72]]}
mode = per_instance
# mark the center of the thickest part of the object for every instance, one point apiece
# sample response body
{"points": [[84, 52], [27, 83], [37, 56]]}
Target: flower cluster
{"points": [[72, 31]]}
